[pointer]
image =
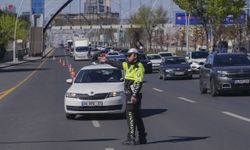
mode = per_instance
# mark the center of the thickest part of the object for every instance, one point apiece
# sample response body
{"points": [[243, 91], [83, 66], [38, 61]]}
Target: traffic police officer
{"points": [[134, 76]]}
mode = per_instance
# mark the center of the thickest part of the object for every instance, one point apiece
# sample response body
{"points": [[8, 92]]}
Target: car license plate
{"points": [[92, 103], [241, 81], [179, 73]]}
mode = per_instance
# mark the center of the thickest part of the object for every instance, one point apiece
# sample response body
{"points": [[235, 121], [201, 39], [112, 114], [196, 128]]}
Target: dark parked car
{"points": [[225, 72], [146, 62], [118, 58], [175, 67]]}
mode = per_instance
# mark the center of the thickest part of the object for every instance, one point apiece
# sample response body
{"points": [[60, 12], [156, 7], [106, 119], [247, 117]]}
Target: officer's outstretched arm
{"points": [[116, 64]]}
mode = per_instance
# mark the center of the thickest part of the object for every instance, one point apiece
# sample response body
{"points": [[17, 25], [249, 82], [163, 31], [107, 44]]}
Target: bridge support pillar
{"points": [[36, 41]]}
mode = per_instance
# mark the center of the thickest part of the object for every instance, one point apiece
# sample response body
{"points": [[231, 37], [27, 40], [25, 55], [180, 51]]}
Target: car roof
{"points": [[174, 57], [227, 54], [153, 55], [98, 66], [164, 53]]}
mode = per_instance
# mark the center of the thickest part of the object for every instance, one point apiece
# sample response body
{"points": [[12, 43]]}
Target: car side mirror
{"points": [[69, 81], [208, 65]]}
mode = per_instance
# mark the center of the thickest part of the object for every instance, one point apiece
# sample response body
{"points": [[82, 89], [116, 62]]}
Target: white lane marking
{"points": [[96, 123], [158, 90], [187, 100], [109, 149], [236, 116]]}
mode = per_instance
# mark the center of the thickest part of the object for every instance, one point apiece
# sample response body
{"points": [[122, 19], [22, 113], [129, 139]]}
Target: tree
{"points": [[148, 18], [7, 25], [212, 12]]}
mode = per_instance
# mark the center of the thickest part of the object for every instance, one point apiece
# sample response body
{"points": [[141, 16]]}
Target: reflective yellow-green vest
{"points": [[134, 72]]}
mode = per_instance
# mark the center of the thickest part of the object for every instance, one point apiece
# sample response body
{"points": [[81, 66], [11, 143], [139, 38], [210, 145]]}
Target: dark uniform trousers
{"points": [[134, 118]]}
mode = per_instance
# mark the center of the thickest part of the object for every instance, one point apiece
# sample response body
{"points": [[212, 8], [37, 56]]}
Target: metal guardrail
{"points": [[112, 26]]}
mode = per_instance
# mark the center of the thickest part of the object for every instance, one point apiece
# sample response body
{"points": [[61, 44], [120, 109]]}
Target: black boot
{"points": [[129, 141], [142, 139]]}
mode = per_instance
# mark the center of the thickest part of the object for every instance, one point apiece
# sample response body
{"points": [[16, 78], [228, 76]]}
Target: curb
{"points": [[26, 59]]}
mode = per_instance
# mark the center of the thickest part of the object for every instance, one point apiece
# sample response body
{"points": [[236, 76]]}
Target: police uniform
{"points": [[134, 77]]}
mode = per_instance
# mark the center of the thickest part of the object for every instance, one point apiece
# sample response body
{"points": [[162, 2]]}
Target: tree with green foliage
{"points": [[212, 12], [148, 19], [7, 26]]}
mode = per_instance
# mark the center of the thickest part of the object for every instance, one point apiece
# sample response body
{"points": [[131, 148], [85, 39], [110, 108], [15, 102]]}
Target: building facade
{"points": [[97, 6]]}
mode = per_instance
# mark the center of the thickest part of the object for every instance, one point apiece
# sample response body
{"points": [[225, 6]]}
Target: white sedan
{"points": [[156, 60], [96, 89]]}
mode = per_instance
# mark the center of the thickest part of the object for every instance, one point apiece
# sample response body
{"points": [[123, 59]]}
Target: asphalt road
{"points": [[176, 115]]}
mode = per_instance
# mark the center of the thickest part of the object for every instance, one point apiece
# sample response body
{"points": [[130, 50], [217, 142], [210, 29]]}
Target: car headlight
{"points": [[71, 95], [189, 69], [221, 73], [149, 62], [115, 94], [168, 70]]}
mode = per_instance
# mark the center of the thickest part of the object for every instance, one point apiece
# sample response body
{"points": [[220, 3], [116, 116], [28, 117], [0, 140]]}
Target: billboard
{"points": [[180, 19], [37, 6]]}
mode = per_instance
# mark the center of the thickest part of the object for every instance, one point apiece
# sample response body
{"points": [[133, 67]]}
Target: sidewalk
{"points": [[25, 59]]}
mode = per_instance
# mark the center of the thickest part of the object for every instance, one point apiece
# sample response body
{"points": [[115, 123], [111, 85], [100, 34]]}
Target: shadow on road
{"points": [[58, 56], [101, 117], [21, 70], [177, 139], [57, 141], [235, 94], [145, 113], [152, 112]]}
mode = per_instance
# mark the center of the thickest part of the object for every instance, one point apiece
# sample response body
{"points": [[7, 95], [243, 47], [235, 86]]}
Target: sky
{"points": [[52, 5]]}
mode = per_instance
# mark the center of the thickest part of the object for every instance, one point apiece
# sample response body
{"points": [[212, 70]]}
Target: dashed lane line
{"points": [[158, 90], [96, 124], [109, 149], [236, 116], [187, 100]]}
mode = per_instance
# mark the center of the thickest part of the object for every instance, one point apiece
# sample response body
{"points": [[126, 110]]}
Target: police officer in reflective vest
{"points": [[134, 76]]}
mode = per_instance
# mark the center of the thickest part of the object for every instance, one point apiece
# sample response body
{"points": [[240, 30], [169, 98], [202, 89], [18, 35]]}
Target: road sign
{"points": [[37, 6], [180, 19]]}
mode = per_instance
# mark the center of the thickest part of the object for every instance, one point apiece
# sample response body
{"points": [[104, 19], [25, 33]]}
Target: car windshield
{"points": [[113, 53], [82, 49], [165, 54], [94, 50], [175, 61], [99, 75], [231, 60], [154, 57], [197, 55]]}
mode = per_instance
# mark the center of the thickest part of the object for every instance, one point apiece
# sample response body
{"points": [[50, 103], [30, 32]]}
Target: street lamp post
{"points": [[187, 30], [15, 60]]}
